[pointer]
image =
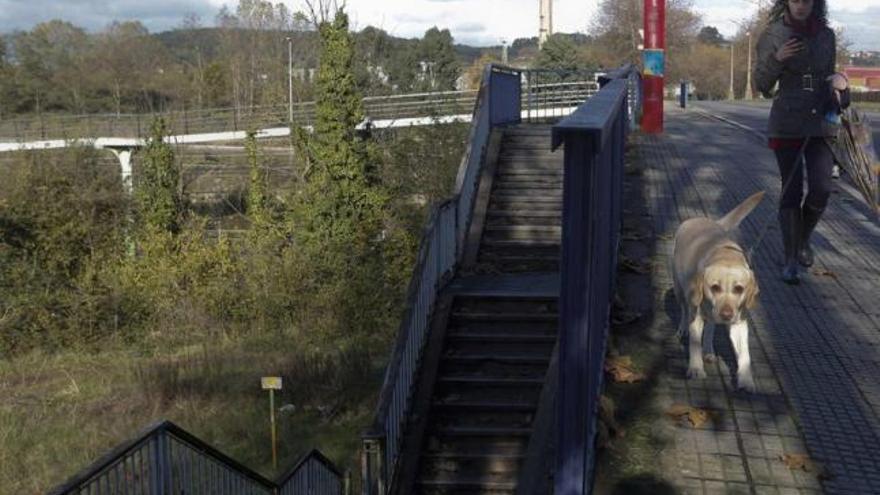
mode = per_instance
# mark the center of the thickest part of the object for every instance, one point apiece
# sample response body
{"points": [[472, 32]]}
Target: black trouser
{"points": [[820, 161]]}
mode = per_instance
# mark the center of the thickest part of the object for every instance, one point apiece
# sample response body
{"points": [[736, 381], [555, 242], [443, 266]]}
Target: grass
{"points": [[61, 412]]}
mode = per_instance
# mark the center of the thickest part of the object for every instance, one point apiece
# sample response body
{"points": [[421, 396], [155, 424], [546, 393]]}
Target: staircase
{"points": [[499, 339], [524, 219]]}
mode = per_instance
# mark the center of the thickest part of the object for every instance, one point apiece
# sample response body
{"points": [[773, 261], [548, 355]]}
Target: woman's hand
{"points": [[789, 49], [838, 81]]}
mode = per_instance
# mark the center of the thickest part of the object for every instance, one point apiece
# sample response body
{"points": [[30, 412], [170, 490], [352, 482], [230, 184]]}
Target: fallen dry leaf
{"points": [[824, 273], [798, 461], [803, 462], [695, 417], [622, 370]]}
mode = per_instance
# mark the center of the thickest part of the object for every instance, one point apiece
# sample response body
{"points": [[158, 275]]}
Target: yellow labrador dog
{"points": [[713, 285]]}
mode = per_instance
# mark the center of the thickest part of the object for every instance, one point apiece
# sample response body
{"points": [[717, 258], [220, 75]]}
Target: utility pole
{"points": [[654, 63], [748, 95], [504, 51], [730, 91], [289, 80]]}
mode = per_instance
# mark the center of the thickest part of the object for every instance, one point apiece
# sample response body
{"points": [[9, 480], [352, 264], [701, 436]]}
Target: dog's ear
{"points": [[695, 290], [751, 295]]}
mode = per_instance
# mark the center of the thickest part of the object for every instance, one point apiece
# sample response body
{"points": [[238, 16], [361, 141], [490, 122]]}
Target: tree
{"points": [[709, 35], [374, 50], [339, 210], [157, 195], [709, 71], [473, 75], [403, 67], [50, 58], [440, 67], [558, 53], [617, 27], [129, 64]]}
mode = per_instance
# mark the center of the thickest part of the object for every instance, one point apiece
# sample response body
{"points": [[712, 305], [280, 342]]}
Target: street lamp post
{"points": [[289, 80], [748, 95], [730, 91]]}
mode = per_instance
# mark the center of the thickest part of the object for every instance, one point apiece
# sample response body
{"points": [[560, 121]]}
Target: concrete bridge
{"points": [[545, 97]]}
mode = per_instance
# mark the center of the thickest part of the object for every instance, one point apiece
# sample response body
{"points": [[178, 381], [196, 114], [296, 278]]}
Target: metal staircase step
{"points": [[522, 243], [454, 431], [505, 317], [437, 486], [518, 206], [525, 229], [491, 381], [524, 194], [508, 359], [486, 405], [502, 337]]}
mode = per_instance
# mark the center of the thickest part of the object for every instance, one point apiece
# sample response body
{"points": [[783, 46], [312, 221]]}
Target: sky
{"points": [[475, 22]]}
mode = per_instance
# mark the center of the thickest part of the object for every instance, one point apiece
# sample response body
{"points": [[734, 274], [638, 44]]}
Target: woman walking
{"points": [[798, 50]]}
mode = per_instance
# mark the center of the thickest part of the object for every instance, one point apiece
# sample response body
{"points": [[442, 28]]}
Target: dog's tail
{"points": [[736, 215]]}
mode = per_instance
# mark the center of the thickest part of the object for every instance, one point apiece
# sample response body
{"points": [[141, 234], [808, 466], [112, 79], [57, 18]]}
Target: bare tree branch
{"points": [[321, 11]]}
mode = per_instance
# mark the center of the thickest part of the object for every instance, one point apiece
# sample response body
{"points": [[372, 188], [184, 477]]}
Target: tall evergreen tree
{"points": [[339, 207], [157, 191]]}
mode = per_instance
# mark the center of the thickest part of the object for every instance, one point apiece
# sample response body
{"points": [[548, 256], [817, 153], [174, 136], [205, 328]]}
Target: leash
{"points": [[800, 161]]}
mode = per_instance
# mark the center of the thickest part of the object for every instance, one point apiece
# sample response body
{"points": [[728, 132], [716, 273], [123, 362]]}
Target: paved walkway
{"points": [[815, 347]]}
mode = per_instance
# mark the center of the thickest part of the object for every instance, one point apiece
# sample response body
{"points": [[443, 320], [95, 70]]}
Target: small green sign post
{"points": [[272, 383]]}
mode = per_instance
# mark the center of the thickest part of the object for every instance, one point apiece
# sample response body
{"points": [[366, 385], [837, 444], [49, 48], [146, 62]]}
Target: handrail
{"points": [[164, 459], [594, 137], [91, 475], [313, 454], [300, 479]]}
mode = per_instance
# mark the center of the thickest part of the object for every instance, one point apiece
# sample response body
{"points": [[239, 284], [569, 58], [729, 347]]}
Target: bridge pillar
{"points": [[653, 59], [124, 157]]}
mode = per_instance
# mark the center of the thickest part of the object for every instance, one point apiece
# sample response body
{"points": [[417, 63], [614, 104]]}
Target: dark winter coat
{"points": [[803, 96]]}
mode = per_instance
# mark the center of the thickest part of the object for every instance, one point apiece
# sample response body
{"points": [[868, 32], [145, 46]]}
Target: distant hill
{"points": [[183, 45]]}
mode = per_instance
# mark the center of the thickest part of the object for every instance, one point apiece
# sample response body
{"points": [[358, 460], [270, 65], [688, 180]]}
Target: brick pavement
{"points": [[815, 347]]}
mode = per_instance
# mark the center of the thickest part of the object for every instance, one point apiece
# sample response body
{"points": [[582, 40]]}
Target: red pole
{"points": [[653, 66]]}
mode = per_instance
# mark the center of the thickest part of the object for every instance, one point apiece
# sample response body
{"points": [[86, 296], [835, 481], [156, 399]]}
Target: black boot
{"points": [[790, 224], [809, 218]]}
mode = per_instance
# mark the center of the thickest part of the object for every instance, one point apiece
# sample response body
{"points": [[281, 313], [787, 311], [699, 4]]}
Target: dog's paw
{"points": [[709, 358], [696, 373], [746, 383]]}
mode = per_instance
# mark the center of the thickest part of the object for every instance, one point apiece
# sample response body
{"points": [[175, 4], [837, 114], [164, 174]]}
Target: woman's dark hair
{"points": [[820, 10]]}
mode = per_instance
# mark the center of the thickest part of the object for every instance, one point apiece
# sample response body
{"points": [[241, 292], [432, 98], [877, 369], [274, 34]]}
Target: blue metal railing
{"points": [[594, 138], [440, 250], [165, 459], [314, 474]]}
